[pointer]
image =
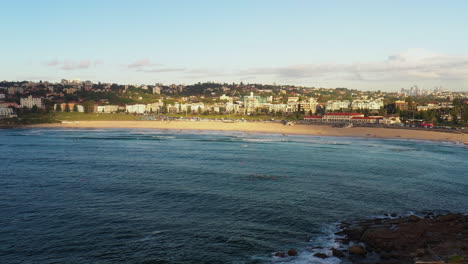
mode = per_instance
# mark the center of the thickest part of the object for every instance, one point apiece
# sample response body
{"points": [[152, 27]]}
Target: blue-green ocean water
{"points": [[149, 196]]}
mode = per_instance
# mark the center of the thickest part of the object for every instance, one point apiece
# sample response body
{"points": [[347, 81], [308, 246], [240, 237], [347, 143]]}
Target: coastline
{"points": [[263, 127]]}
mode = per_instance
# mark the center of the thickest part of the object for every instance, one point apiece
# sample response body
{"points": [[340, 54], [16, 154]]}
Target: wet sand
{"points": [[261, 127]]}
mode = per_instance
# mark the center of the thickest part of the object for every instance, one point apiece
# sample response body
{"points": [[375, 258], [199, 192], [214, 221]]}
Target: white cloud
{"points": [[72, 65], [145, 65], [162, 70], [139, 64]]}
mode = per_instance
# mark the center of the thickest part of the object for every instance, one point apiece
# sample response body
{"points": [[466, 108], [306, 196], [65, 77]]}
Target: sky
{"points": [[368, 45]]}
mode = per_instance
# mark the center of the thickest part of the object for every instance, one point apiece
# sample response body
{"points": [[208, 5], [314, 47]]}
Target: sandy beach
{"points": [[297, 129]]}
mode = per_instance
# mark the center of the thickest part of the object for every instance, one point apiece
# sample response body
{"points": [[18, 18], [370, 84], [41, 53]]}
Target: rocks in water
{"points": [[320, 255], [357, 250], [413, 218], [292, 252], [393, 214], [337, 253], [280, 254]]}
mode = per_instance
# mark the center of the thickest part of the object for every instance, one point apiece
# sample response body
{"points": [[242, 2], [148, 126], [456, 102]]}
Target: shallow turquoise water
{"points": [[149, 196]]}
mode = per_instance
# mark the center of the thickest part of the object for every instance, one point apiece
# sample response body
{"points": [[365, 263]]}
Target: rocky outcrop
{"points": [[407, 239]]}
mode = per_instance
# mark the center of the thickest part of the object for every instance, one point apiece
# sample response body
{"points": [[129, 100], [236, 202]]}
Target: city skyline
{"points": [[361, 45]]}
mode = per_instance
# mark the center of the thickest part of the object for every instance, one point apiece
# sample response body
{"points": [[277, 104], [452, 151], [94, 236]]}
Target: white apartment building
{"points": [[334, 105], [6, 112], [368, 104], [30, 101], [135, 109], [107, 108]]}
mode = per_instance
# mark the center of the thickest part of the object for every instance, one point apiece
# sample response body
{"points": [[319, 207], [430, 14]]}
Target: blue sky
{"points": [[367, 45]]}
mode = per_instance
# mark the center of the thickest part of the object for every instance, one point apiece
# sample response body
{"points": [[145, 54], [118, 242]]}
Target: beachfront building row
{"points": [[339, 118]]}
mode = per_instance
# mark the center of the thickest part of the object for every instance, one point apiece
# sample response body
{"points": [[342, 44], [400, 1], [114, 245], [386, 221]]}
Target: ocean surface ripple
{"points": [[162, 196]]}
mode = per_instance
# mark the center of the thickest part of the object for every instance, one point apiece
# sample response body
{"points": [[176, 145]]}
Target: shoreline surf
{"points": [[276, 128]]}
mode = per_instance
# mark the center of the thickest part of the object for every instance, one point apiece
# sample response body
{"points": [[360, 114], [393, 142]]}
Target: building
{"points": [[156, 90], [154, 107], [30, 101], [251, 102], [391, 120], [107, 108], [6, 112], [340, 117], [313, 119], [197, 107], [335, 105], [225, 97], [80, 108], [8, 104], [402, 105], [432, 107], [135, 109], [15, 90], [308, 106], [365, 119], [367, 104]]}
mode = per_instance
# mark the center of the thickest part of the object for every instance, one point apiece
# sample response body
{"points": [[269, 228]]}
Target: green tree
{"points": [[67, 108], [454, 117], [88, 106], [464, 116], [58, 108], [75, 108], [34, 109]]}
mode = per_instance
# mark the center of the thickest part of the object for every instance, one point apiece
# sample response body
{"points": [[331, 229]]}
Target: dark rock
{"points": [[393, 214], [449, 217], [354, 232], [357, 250], [414, 218], [292, 252], [337, 253], [321, 255]]}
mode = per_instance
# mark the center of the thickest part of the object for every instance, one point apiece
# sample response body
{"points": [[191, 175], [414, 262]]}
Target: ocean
{"points": [[169, 196]]}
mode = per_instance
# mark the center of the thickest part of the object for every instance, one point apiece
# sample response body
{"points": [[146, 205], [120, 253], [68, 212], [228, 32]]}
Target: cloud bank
{"points": [[410, 65]]}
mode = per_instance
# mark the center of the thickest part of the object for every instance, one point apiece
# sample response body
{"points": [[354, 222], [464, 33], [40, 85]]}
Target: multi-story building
{"points": [[6, 112], [15, 90], [30, 101], [107, 108], [367, 104], [402, 105], [135, 109], [308, 106], [251, 102], [335, 105]]}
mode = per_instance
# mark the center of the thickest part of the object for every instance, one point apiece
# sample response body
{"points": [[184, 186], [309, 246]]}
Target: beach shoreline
{"points": [[274, 128]]}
